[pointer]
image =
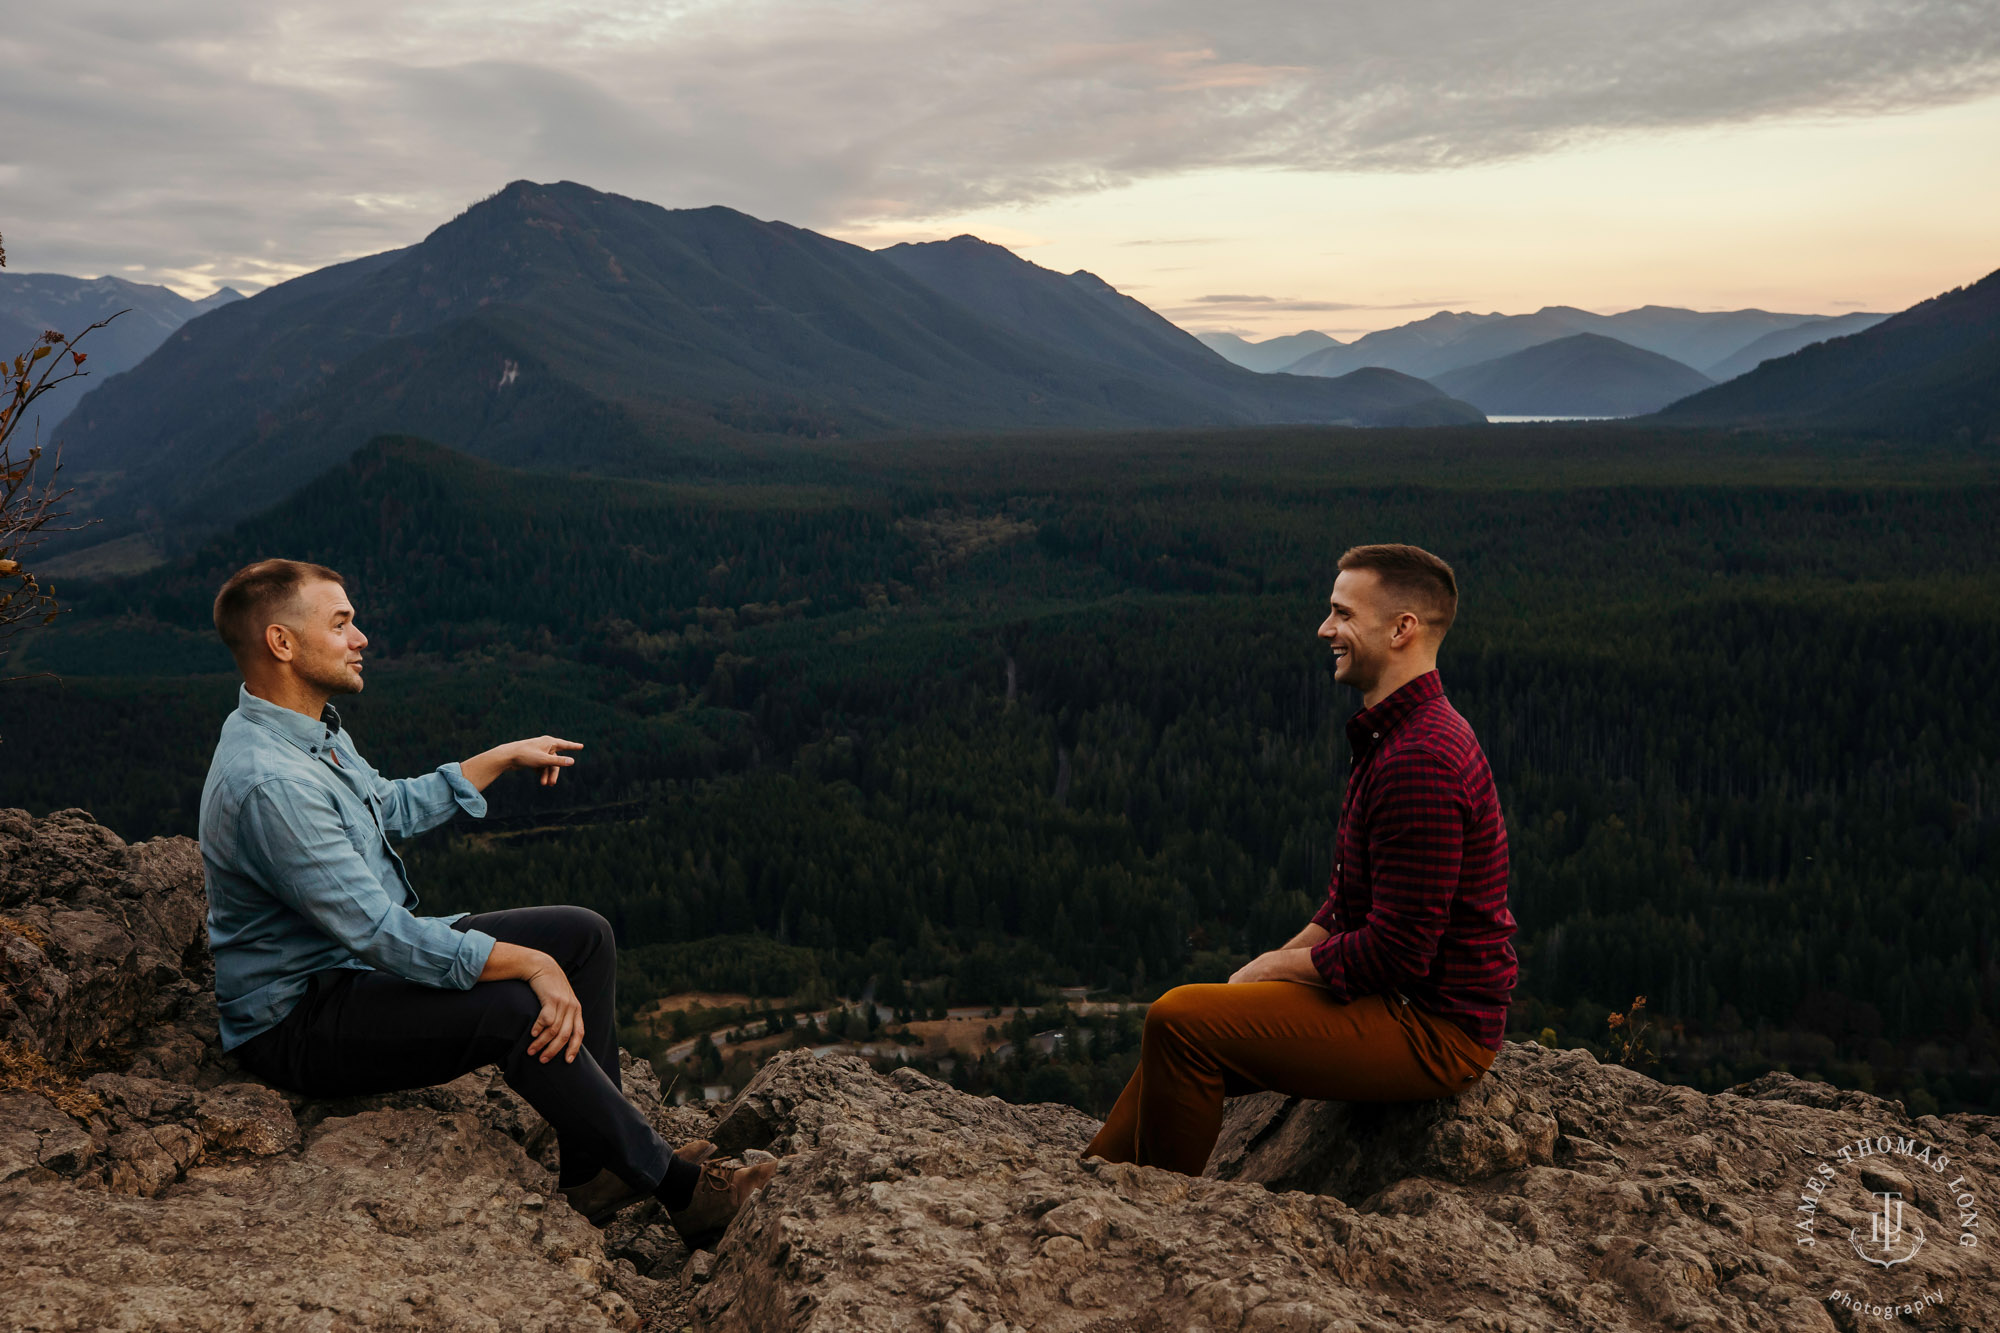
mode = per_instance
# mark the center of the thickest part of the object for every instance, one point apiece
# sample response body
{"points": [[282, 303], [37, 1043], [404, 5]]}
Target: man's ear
{"points": [[280, 641], [1408, 627]]}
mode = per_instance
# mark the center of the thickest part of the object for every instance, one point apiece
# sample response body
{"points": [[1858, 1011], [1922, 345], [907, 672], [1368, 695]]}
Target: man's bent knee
{"points": [[585, 925], [1172, 1010]]}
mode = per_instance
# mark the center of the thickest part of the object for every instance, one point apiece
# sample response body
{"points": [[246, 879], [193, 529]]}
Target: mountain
{"points": [[1087, 318], [221, 296], [1931, 372], [1783, 342], [1691, 337], [32, 302], [556, 326], [1585, 374], [1450, 340], [1271, 354], [1423, 343], [1079, 313]]}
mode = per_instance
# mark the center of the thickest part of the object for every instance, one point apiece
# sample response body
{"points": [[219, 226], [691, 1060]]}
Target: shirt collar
{"points": [[1367, 728], [310, 736]]}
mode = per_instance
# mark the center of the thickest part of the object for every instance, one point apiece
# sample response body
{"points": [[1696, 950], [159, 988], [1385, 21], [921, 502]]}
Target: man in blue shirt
{"points": [[325, 980]]}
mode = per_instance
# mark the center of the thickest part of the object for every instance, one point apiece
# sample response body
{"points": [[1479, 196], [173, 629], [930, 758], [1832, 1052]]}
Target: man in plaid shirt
{"points": [[1398, 989]]}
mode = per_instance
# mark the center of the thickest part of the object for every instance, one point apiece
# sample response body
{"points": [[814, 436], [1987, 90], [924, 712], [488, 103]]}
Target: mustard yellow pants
{"points": [[1203, 1043]]}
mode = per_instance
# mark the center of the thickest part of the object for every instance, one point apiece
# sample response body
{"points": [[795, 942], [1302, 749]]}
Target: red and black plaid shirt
{"points": [[1418, 902]]}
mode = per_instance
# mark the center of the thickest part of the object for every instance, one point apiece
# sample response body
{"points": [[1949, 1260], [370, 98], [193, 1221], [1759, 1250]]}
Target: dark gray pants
{"points": [[357, 1032]]}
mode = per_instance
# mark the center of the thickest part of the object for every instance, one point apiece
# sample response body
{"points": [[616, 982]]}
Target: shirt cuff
{"points": [[470, 799], [1327, 962], [470, 960], [1323, 918]]}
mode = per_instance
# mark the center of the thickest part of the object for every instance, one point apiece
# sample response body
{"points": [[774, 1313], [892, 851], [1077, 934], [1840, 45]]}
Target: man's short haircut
{"points": [[1412, 572], [254, 594]]}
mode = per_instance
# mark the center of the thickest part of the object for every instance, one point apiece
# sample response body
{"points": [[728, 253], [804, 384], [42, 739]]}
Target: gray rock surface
{"points": [[148, 1182]]}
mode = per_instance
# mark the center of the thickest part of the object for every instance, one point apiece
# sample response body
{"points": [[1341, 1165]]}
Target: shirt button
{"points": [[1376, 734]]}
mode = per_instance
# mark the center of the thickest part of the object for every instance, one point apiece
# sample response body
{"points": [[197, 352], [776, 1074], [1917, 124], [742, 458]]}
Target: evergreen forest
{"points": [[964, 720]]}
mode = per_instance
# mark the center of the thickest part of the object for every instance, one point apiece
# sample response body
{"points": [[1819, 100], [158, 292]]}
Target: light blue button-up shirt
{"points": [[295, 830]]}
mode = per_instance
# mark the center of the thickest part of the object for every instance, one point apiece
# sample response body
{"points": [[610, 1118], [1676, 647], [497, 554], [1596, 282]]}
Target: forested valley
{"points": [[962, 722]]}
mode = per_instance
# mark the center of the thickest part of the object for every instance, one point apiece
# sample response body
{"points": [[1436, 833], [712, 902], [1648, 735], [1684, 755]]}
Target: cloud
{"points": [[245, 140], [1232, 302], [1204, 307]]}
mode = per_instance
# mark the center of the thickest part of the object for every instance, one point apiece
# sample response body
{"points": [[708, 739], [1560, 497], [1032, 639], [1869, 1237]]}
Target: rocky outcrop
{"points": [[1558, 1193], [161, 1187], [103, 946], [149, 1182]]}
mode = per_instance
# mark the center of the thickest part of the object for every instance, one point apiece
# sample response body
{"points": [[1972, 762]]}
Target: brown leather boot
{"points": [[718, 1197], [607, 1193]]}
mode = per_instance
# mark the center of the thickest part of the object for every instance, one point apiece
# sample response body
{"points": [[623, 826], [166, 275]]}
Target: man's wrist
{"points": [[515, 962], [482, 768], [1314, 933], [1297, 965]]}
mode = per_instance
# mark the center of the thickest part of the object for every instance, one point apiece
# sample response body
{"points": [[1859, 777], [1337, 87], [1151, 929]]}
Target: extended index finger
{"points": [[558, 743]]}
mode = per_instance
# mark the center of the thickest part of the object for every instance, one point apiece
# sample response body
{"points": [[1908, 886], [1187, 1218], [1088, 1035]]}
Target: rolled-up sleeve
{"points": [[293, 836], [412, 805], [1416, 838]]}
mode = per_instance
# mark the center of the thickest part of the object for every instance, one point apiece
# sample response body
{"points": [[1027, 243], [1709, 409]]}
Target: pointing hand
{"points": [[544, 753]]}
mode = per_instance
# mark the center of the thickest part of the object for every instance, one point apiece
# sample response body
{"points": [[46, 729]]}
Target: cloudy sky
{"points": [[1261, 165]]}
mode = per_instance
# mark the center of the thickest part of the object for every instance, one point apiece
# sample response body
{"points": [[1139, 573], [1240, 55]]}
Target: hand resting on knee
{"points": [[559, 1027]]}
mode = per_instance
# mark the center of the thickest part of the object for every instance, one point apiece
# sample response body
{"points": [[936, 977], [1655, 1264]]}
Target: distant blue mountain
{"points": [[1931, 372], [1783, 342], [33, 302], [1585, 374], [1449, 340], [1272, 353]]}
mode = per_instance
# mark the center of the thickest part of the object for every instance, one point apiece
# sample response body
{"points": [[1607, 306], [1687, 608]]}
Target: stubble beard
{"points": [[1352, 679], [335, 679]]}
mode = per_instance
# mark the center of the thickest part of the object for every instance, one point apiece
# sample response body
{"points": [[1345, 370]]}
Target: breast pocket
{"points": [[361, 830]]}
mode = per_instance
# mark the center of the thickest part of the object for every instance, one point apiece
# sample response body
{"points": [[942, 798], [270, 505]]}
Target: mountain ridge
{"points": [[1585, 374], [32, 302], [1932, 371], [1451, 340], [1090, 319], [1268, 354], [556, 325], [1783, 342]]}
